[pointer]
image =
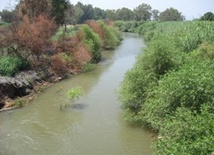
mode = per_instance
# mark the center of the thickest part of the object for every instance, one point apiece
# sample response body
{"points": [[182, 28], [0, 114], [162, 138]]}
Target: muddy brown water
{"points": [[93, 125]]}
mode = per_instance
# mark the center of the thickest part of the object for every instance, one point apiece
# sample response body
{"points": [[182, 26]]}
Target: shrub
{"points": [[9, 65], [205, 51], [187, 132], [61, 33], [190, 87], [35, 35], [72, 95], [109, 35], [151, 65], [110, 39], [82, 54], [93, 41], [58, 64], [87, 67]]}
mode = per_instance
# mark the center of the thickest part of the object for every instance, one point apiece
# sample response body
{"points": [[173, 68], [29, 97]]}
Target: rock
{"points": [[20, 85], [2, 105]]}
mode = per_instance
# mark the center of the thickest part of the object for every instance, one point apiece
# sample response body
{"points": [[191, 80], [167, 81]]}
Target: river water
{"points": [[93, 125]]}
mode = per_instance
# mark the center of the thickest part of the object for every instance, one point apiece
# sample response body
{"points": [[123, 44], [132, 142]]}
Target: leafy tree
{"points": [[110, 14], [68, 14], [99, 14], [88, 12], [155, 14], [77, 15], [208, 16], [8, 16], [58, 10], [143, 12], [93, 41], [171, 14], [124, 14]]}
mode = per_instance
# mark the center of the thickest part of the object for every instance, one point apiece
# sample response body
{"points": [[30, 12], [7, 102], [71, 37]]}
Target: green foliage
{"points": [[190, 87], [58, 10], [129, 26], [187, 36], [72, 95], [8, 16], [151, 65], [205, 51], [186, 132], [19, 103], [170, 88], [61, 33], [4, 24], [9, 65], [171, 14], [143, 12], [87, 67], [209, 16], [111, 39], [66, 57], [93, 41]]}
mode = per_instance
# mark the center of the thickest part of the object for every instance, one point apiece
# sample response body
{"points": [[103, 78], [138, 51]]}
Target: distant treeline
{"points": [[65, 12]]}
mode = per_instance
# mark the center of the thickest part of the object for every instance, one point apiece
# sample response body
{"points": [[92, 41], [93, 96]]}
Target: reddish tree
{"points": [[35, 35]]}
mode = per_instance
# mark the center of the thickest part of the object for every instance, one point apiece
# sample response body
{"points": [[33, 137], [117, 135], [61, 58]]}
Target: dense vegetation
{"points": [[170, 88], [46, 47], [65, 12]]}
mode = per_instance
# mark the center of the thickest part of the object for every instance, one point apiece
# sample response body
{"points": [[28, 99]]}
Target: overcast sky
{"points": [[189, 8]]}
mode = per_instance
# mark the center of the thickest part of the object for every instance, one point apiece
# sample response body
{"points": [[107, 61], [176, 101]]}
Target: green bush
{"points": [[190, 87], [170, 88], [187, 132], [93, 41], [151, 65], [111, 39], [9, 65], [61, 33], [87, 67]]}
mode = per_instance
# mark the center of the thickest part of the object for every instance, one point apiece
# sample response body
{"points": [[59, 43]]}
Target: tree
{"points": [[124, 14], [34, 8], [155, 15], [77, 15], [143, 12], [88, 12], [8, 16], [99, 14], [58, 10], [110, 14], [171, 14], [208, 16], [68, 14]]}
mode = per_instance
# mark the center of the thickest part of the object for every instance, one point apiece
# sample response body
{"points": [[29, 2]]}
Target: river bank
{"points": [[67, 52], [18, 91], [93, 125]]}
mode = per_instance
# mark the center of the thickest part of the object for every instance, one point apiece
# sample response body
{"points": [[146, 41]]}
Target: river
{"points": [[93, 125]]}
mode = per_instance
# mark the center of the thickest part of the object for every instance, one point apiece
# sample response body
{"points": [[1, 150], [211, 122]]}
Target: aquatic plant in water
{"points": [[72, 95]]}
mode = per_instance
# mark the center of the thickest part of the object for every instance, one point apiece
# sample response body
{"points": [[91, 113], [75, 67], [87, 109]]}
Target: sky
{"points": [[191, 9]]}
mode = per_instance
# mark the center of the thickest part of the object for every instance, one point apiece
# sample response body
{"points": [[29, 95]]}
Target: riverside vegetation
{"points": [[170, 88], [52, 51]]}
